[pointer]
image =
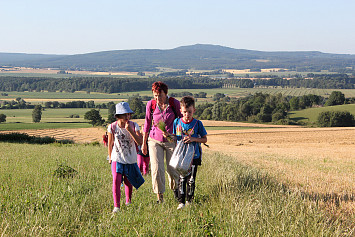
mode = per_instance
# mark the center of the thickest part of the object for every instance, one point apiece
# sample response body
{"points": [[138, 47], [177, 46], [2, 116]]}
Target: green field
{"points": [[18, 119], [233, 92], [231, 200], [52, 118], [310, 115]]}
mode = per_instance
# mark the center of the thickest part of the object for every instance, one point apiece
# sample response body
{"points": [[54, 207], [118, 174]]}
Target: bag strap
{"points": [[172, 105], [153, 106], [192, 127]]}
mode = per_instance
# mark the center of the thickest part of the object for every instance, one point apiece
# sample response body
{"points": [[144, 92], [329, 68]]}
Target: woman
{"points": [[166, 109]]}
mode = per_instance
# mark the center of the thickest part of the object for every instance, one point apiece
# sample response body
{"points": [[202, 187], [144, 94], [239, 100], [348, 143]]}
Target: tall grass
{"points": [[231, 200]]}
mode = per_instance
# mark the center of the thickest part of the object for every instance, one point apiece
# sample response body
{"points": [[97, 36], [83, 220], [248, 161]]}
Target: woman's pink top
{"points": [[167, 116]]}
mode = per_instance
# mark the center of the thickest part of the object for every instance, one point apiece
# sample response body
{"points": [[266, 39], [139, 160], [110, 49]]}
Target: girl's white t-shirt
{"points": [[124, 148]]}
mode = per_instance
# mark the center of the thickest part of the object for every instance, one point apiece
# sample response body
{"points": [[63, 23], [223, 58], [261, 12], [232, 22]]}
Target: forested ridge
{"points": [[200, 57]]}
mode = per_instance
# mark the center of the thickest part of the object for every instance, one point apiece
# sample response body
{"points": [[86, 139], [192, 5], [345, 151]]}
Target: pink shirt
{"points": [[167, 116]]}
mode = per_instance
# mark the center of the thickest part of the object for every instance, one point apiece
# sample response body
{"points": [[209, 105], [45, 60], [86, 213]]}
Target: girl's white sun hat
{"points": [[123, 108]]}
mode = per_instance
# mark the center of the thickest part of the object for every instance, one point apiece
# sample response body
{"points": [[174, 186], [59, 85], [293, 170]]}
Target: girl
{"points": [[123, 135]]}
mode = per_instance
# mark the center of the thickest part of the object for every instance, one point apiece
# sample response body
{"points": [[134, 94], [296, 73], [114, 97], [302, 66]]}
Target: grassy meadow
{"points": [[19, 119], [231, 200], [310, 115]]}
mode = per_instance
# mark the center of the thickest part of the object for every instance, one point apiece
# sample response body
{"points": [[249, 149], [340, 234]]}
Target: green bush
{"points": [[277, 116], [2, 118], [64, 171], [336, 119]]}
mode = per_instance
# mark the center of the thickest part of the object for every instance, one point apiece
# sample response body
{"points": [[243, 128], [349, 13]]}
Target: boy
{"points": [[189, 130]]}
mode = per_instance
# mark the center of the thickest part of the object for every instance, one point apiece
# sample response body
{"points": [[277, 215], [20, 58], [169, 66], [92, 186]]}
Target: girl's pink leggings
{"points": [[116, 186], [143, 164]]}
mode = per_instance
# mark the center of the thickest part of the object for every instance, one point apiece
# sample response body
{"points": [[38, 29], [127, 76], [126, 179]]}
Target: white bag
{"points": [[181, 159]]}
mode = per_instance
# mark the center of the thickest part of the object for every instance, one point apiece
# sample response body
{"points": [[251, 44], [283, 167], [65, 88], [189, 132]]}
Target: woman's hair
{"points": [[159, 86]]}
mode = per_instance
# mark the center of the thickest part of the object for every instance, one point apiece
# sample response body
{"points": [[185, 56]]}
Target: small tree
{"points": [[137, 105], [111, 112], [335, 98], [294, 103], [2, 118], [37, 114], [94, 117]]}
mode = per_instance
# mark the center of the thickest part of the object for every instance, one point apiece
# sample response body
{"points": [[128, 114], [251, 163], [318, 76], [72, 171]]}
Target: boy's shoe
{"points": [[115, 210], [181, 206], [187, 203]]}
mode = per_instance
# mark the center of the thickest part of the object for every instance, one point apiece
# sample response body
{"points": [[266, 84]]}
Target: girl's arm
{"points": [[110, 145], [137, 137]]}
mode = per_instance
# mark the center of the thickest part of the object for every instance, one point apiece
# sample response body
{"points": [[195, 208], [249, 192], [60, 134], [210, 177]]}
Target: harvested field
{"points": [[319, 162]]}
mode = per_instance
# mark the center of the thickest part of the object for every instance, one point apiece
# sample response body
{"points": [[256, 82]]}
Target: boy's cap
{"points": [[123, 108]]}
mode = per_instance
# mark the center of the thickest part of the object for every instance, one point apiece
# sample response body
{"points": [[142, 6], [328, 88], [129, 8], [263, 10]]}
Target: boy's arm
{"points": [[201, 131], [189, 139]]}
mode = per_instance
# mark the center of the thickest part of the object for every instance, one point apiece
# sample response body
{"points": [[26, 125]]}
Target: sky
{"points": [[78, 26]]}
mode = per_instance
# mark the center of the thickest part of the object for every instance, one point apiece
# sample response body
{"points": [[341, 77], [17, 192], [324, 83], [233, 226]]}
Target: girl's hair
{"points": [[187, 101], [159, 86], [118, 116]]}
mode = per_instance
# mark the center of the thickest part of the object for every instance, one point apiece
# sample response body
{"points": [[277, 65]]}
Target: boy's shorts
{"points": [[197, 161]]}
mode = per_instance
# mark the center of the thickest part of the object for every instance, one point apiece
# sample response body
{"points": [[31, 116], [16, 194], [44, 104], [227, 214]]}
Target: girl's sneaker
{"points": [[181, 206], [128, 203], [115, 210]]}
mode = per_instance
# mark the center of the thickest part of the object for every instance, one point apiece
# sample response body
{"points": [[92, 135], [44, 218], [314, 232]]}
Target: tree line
{"points": [[102, 84], [264, 107], [118, 85]]}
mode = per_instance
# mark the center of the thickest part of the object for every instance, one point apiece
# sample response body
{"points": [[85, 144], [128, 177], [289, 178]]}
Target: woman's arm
{"points": [[146, 128], [144, 145]]}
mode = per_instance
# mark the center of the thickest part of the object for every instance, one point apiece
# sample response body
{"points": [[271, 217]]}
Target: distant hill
{"points": [[199, 56], [13, 59]]}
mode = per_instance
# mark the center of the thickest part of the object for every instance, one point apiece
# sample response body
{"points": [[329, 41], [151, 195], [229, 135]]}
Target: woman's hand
{"points": [[144, 148], [166, 134]]}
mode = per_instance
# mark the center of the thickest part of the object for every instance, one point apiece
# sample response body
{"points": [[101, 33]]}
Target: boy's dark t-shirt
{"points": [[195, 127]]}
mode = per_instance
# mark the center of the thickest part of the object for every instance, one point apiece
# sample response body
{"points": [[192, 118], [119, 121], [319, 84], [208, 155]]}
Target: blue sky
{"points": [[78, 26]]}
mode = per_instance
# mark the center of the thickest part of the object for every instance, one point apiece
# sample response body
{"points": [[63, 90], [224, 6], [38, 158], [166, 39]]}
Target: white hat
{"points": [[123, 108]]}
